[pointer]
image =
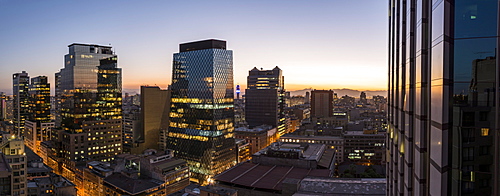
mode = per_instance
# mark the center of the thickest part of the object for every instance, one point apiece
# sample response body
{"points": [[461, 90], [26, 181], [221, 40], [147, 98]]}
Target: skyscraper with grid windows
{"points": [[202, 108]]}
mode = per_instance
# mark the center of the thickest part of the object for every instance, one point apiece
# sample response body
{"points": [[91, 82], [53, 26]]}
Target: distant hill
{"points": [[342, 92]]}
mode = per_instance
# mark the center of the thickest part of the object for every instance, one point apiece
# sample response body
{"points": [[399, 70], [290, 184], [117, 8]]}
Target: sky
{"points": [[321, 44]]}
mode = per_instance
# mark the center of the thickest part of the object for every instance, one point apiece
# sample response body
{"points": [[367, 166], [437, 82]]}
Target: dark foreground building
{"points": [[443, 106], [264, 99]]}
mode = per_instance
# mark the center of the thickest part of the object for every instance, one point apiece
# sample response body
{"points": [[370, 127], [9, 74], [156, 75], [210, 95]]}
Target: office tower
{"points": [[264, 102], [321, 103], [109, 89], [155, 108], [77, 78], [307, 99], [362, 98], [89, 101], [202, 112], [38, 126], [3, 106], [20, 82], [442, 102], [131, 126]]}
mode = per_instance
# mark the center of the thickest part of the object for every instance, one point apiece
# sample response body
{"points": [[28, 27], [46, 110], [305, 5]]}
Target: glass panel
{"points": [[475, 18], [437, 62]]}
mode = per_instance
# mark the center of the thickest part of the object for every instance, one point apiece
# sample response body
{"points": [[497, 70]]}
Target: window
{"points": [[467, 135], [483, 116], [485, 131], [484, 168], [468, 154], [484, 150]]}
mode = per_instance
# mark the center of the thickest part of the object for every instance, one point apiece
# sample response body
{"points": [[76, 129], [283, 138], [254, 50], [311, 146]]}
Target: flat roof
{"points": [[95, 45], [363, 134], [315, 137], [343, 186], [129, 185], [265, 176], [202, 45]]}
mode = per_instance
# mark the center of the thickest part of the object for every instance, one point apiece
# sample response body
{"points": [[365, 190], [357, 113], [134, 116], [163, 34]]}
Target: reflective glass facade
{"points": [[20, 82], [443, 106], [77, 85], [38, 125], [202, 111], [39, 104], [89, 107]]}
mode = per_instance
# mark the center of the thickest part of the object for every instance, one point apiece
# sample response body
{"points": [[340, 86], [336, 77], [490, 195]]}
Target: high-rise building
{"points": [[20, 82], [362, 98], [321, 103], [155, 108], [77, 79], [265, 99], [39, 125], [3, 106], [307, 99], [202, 111], [89, 105], [443, 108]]}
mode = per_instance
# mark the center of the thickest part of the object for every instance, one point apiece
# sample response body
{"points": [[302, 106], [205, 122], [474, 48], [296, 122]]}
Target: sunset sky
{"points": [[323, 44]]}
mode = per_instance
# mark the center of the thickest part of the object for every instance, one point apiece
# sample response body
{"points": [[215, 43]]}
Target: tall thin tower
{"points": [[20, 82]]}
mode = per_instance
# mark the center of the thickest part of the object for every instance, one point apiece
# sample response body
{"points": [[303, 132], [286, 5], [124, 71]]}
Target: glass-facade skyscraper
{"points": [[77, 78], [89, 109], [443, 106], [202, 109], [38, 126], [20, 82]]}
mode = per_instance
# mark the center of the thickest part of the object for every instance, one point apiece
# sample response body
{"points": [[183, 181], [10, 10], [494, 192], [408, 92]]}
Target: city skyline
{"points": [[295, 36]]}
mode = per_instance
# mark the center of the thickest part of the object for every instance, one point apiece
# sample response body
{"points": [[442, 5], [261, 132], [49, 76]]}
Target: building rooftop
{"points": [[95, 45], [342, 186], [305, 151], [255, 129], [129, 185], [218, 190], [360, 133], [202, 45], [316, 137], [265, 176]]}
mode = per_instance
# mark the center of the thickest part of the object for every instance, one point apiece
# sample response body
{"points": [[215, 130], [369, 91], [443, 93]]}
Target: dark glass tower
{"points": [[265, 99], [202, 111], [443, 106], [89, 105], [20, 82], [39, 124], [39, 104], [109, 89]]}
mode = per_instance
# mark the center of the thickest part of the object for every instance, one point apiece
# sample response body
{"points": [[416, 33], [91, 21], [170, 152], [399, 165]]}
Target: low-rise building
{"points": [[243, 150], [364, 147], [151, 173], [316, 186], [336, 143], [303, 155], [12, 148], [258, 137]]}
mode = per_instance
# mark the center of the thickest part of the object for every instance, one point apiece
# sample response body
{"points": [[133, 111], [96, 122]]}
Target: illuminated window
{"points": [[485, 131]]}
